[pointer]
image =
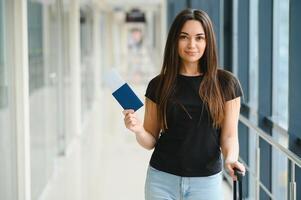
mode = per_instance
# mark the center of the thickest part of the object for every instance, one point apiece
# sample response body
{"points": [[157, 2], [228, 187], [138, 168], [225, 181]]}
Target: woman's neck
{"points": [[190, 69]]}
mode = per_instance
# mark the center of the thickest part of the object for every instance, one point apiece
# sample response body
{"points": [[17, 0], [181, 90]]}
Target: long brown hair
{"points": [[210, 89]]}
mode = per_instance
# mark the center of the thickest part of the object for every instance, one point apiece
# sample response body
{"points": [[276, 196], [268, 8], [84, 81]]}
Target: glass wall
{"points": [[49, 83], [38, 93], [280, 95], [268, 85], [50, 88], [8, 186], [50, 94]]}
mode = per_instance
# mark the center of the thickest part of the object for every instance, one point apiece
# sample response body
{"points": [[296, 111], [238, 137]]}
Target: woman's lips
{"points": [[191, 53]]}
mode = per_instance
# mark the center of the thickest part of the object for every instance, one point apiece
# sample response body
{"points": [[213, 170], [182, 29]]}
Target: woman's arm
{"points": [[148, 132], [229, 136]]}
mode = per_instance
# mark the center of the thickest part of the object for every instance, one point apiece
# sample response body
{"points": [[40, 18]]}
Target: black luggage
{"points": [[237, 194]]}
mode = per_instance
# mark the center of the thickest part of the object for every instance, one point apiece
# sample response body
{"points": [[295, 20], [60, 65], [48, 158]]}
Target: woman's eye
{"points": [[183, 37], [198, 38]]}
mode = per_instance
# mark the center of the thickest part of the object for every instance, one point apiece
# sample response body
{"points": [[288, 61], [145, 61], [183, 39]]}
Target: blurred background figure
{"points": [[135, 40]]}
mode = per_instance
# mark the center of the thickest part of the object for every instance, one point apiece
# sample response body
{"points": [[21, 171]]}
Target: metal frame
{"points": [[253, 92], [235, 37], [265, 30], [294, 80], [294, 160]]}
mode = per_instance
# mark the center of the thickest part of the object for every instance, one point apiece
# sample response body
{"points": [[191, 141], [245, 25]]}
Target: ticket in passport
{"points": [[122, 92]]}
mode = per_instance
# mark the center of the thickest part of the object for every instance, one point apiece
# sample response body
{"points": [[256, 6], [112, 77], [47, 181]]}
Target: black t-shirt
{"points": [[190, 147]]}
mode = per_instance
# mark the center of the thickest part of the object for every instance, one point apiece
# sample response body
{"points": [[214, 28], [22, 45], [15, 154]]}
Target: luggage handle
{"points": [[239, 174]]}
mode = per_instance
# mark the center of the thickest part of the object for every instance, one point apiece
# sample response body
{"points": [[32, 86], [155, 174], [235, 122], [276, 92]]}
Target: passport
{"points": [[127, 98]]}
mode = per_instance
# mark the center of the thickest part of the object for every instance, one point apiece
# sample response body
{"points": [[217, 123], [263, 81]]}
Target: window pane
{"points": [[3, 86], [45, 116], [35, 44], [37, 100], [281, 40], [49, 88], [8, 157], [280, 94]]}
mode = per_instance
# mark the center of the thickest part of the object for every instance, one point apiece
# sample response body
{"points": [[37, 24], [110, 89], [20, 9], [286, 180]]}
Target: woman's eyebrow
{"points": [[184, 33]]}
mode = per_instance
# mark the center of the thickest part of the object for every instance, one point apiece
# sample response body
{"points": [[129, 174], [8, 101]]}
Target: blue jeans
{"points": [[164, 186]]}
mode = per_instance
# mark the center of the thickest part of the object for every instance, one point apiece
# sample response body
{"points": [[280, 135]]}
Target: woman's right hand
{"points": [[132, 122]]}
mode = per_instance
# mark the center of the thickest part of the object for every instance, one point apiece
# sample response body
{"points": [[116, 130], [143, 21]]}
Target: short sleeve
{"points": [[230, 85], [151, 90], [237, 90]]}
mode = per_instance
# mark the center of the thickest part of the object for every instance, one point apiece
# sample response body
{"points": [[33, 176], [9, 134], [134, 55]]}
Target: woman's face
{"points": [[192, 42]]}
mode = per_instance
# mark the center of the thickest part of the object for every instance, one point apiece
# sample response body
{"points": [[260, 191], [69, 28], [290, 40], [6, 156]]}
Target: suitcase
{"points": [[237, 194]]}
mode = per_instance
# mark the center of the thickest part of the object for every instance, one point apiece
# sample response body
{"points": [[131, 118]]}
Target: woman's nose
{"points": [[191, 43]]}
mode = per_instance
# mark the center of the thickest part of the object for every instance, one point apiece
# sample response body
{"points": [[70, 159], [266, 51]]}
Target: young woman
{"points": [[191, 116]]}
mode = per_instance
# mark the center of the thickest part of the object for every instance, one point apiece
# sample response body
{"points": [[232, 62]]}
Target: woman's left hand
{"points": [[230, 166]]}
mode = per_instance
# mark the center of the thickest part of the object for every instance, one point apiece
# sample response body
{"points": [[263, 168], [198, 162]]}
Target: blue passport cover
{"points": [[127, 98]]}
